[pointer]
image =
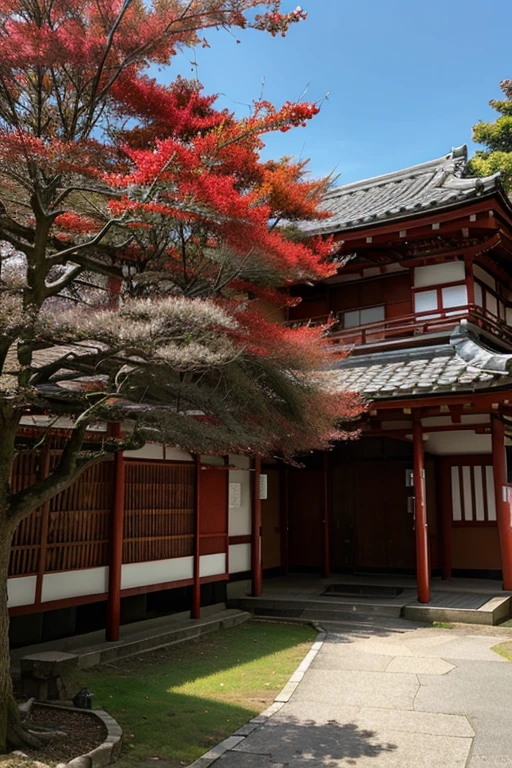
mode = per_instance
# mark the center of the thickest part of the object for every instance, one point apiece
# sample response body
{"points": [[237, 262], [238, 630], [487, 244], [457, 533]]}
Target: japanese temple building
{"points": [[423, 298]]}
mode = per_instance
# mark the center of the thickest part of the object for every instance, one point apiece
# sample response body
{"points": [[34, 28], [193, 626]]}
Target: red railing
{"points": [[414, 324]]}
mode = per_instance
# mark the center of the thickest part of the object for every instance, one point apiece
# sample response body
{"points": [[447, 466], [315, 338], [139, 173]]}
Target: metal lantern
{"points": [[83, 699]]}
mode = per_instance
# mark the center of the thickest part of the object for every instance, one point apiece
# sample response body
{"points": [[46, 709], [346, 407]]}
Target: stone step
{"points": [[141, 637], [316, 611]]}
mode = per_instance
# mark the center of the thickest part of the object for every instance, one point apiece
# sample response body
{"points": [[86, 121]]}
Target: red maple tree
{"points": [[144, 241]]}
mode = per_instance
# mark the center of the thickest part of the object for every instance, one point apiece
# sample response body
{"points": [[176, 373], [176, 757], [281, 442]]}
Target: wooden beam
{"points": [[421, 526], [116, 552]]}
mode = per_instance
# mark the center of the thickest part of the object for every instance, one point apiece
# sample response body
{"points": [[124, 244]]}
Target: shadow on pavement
{"points": [[293, 742]]}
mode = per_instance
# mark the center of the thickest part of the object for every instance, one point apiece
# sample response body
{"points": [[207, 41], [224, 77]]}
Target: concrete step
{"points": [[137, 638], [316, 611]]}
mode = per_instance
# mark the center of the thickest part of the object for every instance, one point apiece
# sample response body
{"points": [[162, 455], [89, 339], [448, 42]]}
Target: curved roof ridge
{"points": [[434, 185], [439, 164], [471, 350]]}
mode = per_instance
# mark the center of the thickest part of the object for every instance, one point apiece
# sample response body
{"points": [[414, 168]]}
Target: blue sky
{"points": [[406, 78]]}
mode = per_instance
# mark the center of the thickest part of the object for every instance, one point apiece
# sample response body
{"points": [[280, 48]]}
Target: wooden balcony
{"points": [[415, 324]]}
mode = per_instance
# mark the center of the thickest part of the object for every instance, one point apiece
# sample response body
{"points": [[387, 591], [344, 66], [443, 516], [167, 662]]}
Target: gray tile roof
{"points": [[429, 370], [437, 184]]}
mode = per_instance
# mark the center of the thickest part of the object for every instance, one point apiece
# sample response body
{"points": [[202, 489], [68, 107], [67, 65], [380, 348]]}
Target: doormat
{"points": [[362, 590]]}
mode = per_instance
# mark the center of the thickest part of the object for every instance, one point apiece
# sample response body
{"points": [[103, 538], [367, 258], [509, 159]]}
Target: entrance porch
{"points": [[360, 597], [427, 497]]}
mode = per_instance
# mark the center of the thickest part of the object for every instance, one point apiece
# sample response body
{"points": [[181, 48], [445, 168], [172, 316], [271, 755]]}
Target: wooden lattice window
{"points": [[159, 511]]}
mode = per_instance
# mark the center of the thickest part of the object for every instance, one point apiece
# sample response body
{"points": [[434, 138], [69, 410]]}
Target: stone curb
{"points": [[280, 700], [104, 753]]}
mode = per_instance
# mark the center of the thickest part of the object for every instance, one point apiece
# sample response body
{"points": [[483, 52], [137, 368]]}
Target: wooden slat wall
{"points": [[159, 511], [78, 520], [25, 549]]}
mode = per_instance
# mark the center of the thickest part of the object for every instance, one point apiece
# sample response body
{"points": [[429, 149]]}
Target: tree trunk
{"points": [[12, 732]]}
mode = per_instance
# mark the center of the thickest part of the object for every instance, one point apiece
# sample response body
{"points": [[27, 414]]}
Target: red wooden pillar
{"points": [[326, 559], [196, 589], [503, 512], [256, 529], [284, 479], [421, 527], [116, 552]]}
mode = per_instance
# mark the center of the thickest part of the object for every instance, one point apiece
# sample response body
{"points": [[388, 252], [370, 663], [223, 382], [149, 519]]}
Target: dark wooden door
{"points": [[306, 498], [270, 521], [384, 529]]}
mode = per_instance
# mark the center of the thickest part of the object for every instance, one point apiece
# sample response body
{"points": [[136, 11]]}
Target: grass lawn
{"points": [[176, 703], [504, 649]]}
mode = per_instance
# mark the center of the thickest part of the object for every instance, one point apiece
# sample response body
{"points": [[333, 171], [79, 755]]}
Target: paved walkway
{"points": [[392, 695]]}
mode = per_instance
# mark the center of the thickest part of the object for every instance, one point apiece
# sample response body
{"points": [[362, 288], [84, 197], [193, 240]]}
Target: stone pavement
{"points": [[392, 695]]}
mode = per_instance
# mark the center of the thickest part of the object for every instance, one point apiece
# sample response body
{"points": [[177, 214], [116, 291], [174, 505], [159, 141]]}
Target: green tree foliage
{"points": [[497, 138]]}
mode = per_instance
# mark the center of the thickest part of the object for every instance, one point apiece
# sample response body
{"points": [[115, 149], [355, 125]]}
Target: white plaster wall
{"points": [[156, 572], [441, 421], [212, 565], [174, 454], [457, 443], [484, 276], [148, 451], [212, 461], [240, 517], [89, 581], [449, 272], [240, 462], [239, 558], [21, 591]]}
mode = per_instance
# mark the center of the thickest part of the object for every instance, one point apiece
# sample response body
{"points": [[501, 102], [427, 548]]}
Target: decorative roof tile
{"points": [[437, 184], [463, 364]]}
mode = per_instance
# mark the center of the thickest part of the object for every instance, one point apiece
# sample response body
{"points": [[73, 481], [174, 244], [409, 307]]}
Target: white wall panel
{"points": [[484, 276], [156, 572], [212, 565], [239, 558], [240, 517], [89, 581], [21, 591], [457, 443], [449, 272], [148, 451], [240, 462], [174, 454]]}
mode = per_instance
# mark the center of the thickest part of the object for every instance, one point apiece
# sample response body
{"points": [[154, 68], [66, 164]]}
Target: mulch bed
{"points": [[83, 733]]}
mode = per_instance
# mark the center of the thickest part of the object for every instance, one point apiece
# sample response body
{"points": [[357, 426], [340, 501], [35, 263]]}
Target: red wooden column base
{"points": [[196, 589], [256, 530], [503, 511], [421, 527], [116, 553]]}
